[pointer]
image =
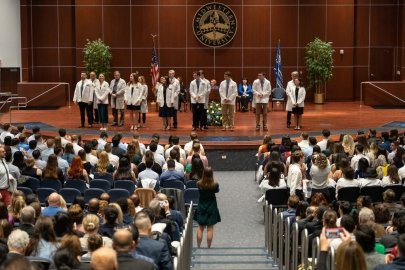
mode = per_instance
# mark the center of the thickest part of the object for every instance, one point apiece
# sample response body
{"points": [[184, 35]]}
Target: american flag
{"points": [[154, 68], [278, 67]]}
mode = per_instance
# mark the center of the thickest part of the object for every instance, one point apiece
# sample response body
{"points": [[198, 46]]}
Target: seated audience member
{"points": [[365, 236], [301, 212], [153, 248], [17, 244], [197, 150], [398, 228], [363, 201], [361, 171], [54, 201], [127, 219], [273, 180], [134, 153], [189, 145], [348, 223], [381, 165], [389, 201], [194, 170], [110, 217], [366, 216], [318, 199], [104, 258], [62, 225], [62, 164], [17, 263], [52, 171], [27, 220], [123, 244], [116, 149], [345, 208], [90, 157], [162, 215], [371, 179], [64, 258], [401, 171], [347, 180], [148, 157], [176, 215], [358, 155], [392, 178], [171, 174], [316, 223], [158, 158], [49, 150], [69, 153], [91, 225], [382, 214], [124, 170], [137, 202], [39, 163], [31, 170], [148, 178], [44, 243], [76, 170], [104, 166], [94, 242], [295, 176], [19, 160], [292, 204], [114, 159], [320, 172], [177, 165], [86, 165], [399, 262], [76, 215]]}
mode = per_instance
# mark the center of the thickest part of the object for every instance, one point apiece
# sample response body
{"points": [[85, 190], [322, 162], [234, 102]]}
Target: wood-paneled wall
{"points": [[370, 32]]}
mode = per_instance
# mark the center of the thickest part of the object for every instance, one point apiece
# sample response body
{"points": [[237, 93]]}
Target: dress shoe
{"points": [[265, 129], [257, 127], [114, 124]]}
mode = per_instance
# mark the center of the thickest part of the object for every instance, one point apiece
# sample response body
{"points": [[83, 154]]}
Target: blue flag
{"points": [[278, 68]]}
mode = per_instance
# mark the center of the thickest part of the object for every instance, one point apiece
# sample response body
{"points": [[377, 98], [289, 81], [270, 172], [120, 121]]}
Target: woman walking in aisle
{"points": [[207, 214]]}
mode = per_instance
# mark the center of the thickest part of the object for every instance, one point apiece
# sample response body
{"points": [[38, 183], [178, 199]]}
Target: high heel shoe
{"points": [[132, 127]]}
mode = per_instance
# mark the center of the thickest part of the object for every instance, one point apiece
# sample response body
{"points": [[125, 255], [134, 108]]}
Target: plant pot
{"points": [[318, 98]]}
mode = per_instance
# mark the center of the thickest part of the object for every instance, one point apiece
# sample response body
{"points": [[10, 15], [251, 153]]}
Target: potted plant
{"points": [[97, 57], [319, 61]]}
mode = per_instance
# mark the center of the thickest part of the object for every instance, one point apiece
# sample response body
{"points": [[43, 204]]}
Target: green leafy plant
{"points": [[97, 57], [319, 63], [214, 116]]}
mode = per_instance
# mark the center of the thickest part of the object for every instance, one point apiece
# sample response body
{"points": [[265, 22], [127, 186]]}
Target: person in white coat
{"points": [[133, 99], [165, 100], [83, 96], [198, 91], [94, 80], [207, 99], [118, 86], [289, 90], [297, 100], [101, 92], [176, 91], [261, 93], [228, 90], [144, 103]]}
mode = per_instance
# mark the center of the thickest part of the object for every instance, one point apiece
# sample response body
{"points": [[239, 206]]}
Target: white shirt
{"points": [[294, 178], [401, 172], [319, 176], [77, 148], [160, 150], [40, 164], [101, 144], [304, 144], [322, 144], [391, 156], [366, 182], [182, 152], [188, 147], [4, 174], [92, 159], [114, 160], [177, 166], [159, 159], [264, 185], [4, 134], [64, 141], [342, 182], [355, 161]]}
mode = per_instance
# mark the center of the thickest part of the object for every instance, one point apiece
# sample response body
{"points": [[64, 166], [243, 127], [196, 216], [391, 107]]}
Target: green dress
{"points": [[207, 211]]}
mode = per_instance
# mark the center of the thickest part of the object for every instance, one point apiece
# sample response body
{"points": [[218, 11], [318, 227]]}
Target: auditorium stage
{"points": [[339, 117]]}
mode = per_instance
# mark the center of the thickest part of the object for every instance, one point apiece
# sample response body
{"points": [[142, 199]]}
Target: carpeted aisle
{"points": [[239, 238]]}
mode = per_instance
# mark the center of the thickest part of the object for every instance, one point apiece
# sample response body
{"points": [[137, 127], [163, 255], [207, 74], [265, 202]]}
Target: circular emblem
{"points": [[214, 25]]}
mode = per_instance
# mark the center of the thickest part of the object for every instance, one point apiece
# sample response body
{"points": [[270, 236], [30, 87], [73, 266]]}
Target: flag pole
{"points": [[153, 90]]}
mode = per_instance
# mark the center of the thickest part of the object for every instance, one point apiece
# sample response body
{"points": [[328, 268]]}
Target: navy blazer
{"points": [[249, 90], [156, 250]]}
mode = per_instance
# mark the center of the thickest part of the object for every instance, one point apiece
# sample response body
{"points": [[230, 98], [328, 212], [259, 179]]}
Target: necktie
{"points": [[227, 88], [81, 89], [262, 83], [115, 86], [132, 91], [198, 85], [5, 168]]}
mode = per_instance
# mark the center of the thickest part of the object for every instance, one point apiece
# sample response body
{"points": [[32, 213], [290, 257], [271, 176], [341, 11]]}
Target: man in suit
{"points": [[156, 249], [84, 97], [198, 89], [228, 90], [176, 90], [289, 91], [207, 97], [27, 220], [17, 244], [123, 244], [261, 93], [117, 98], [94, 81]]}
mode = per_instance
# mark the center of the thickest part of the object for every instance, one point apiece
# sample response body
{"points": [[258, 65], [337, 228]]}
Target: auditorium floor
{"points": [[340, 117]]}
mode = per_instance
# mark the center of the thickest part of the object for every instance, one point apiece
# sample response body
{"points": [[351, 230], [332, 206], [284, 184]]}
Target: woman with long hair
{"points": [[52, 171], [348, 144], [197, 169], [69, 153], [17, 204], [18, 160], [392, 178], [103, 165], [102, 90], [144, 103], [77, 171], [362, 139], [207, 214], [124, 170], [165, 100], [319, 172], [44, 243], [31, 169], [134, 152], [273, 180], [133, 99]]}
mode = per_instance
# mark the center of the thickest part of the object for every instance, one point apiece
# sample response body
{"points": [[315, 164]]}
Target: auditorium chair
{"points": [[25, 190], [78, 184], [101, 184], [375, 193], [32, 183], [92, 193], [117, 193], [43, 193], [173, 184], [125, 184], [349, 194], [278, 95], [145, 195], [69, 194], [51, 183], [39, 263], [104, 176], [191, 195], [328, 192], [278, 198], [191, 184]]}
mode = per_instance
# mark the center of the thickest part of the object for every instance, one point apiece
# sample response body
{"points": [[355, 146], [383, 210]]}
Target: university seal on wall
{"points": [[214, 25]]}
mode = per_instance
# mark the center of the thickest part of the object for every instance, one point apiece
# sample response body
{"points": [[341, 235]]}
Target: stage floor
{"points": [[339, 117]]}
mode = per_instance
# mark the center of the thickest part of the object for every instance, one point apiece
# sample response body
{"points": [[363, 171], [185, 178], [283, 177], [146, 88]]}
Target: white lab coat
{"points": [[257, 89], [169, 96], [176, 90], [288, 91], [101, 92], [232, 92], [87, 95], [134, 97], [198, 95]]}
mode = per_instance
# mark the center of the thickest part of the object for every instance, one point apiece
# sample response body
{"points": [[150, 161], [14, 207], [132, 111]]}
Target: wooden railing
{"points": [[384, 93]]}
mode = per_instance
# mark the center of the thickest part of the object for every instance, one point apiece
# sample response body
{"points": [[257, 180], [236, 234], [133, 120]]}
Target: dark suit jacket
{"points": [[28, 228], [127, 262], [156, 250]]}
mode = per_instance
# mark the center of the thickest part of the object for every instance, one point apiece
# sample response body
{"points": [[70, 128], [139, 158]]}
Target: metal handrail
{"points": [[379, 88], [19, 105], [295, 246], [315, 252], [287, 242], [304, 248], [274, 238], [50, 89], [330, 259], [280, 240], [269, 230]]}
